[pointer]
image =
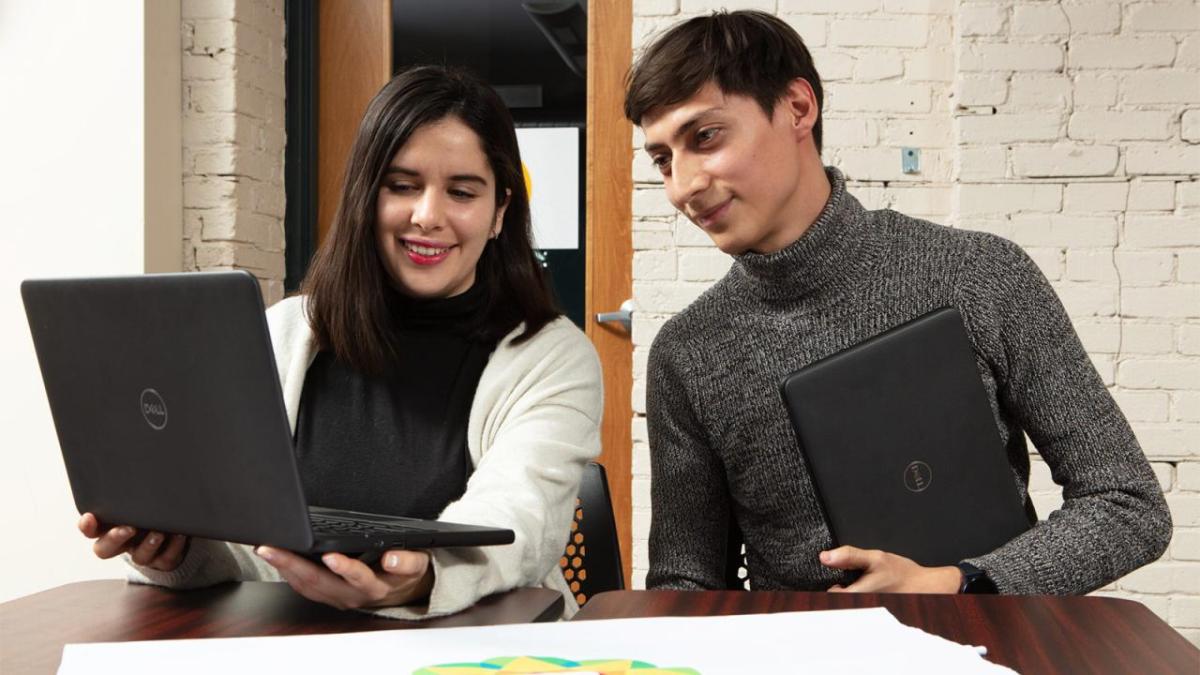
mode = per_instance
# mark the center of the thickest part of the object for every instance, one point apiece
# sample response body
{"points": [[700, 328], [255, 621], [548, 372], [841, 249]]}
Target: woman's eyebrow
{"points": [[457, 178], [468, 178]]}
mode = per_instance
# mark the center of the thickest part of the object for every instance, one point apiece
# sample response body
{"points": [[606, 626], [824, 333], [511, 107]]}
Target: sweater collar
{"points": [[456, 314], [826, 255]]}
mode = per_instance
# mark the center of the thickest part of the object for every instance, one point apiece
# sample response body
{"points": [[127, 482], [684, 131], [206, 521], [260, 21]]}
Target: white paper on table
{"points": [[835, 641], [551, 158]]}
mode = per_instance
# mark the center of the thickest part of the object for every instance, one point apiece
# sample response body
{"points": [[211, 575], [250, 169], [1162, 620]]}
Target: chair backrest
{"points": [[737, 571], [591, 563]]}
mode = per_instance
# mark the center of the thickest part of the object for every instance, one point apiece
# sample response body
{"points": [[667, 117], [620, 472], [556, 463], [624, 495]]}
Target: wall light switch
{"points": [[910, 160]]}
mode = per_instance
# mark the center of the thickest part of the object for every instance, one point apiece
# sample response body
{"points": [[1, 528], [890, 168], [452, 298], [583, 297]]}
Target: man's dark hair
{"points": [[745, 52], [347, 285]]}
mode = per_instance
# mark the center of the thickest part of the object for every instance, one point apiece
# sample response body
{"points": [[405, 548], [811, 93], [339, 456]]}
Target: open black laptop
{"points": [[170, 417], [903, 447]]}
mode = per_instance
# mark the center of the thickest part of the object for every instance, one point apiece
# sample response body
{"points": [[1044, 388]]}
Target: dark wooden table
{"points": [[1030, 634], [33, 629]]}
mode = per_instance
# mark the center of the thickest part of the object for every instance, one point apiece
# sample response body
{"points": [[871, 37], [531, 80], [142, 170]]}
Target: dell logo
{"points": [[917, 476], [154, 409]]}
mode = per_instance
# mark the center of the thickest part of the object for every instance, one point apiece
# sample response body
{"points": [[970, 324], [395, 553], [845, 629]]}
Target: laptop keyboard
{"points": [[327, 524]]}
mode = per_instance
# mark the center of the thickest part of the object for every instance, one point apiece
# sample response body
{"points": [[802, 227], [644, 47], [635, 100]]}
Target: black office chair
{"points": [[737, 571], [591, 563]]}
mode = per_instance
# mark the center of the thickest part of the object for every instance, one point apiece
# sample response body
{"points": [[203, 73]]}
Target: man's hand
{"points": [[346, 583], [884, 572]]}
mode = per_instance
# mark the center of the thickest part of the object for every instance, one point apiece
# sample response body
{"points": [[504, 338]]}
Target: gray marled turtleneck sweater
{"points": [[722, 445]]}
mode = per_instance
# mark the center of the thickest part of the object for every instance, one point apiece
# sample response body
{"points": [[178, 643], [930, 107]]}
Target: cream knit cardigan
{"points": [[534, 424]]}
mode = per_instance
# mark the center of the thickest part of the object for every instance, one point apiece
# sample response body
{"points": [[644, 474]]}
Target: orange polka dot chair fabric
{"points": [[591, 561]]}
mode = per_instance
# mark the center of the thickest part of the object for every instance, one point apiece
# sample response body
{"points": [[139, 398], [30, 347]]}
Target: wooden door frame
{"points": [[354, 61], [609, 215]]}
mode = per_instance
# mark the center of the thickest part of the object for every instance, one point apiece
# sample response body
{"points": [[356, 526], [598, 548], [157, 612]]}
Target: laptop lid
{"points": [[902, 445], [167, 404]]}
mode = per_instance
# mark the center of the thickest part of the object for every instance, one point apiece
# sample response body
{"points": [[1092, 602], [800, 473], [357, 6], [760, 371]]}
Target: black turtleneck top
{"points": [[395, 443]]}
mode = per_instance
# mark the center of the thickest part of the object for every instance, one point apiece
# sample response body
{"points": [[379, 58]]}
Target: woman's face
{"points": [[436, 210]]}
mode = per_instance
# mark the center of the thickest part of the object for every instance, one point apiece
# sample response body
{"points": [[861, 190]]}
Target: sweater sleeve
{"points": [[207, 562], [689, 497], [539, 433], [1113, 518]]}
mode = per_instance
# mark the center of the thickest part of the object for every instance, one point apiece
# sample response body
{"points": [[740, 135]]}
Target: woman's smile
{"points": [[426, 253]]}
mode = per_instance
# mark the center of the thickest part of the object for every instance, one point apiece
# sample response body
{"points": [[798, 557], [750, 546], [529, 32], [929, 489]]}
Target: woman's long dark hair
{"points": [[347, 285]]}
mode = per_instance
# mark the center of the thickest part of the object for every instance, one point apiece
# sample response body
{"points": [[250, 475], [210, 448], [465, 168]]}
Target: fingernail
{"points": [[391, 561], [126, 531], [152, 540], [331, 561], [264, 553]]}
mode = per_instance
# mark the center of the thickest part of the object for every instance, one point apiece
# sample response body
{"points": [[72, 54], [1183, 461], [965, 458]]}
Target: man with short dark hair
{"points": [[731, 109]]}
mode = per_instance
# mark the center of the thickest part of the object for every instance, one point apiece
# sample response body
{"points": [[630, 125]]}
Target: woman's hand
{"points": [[406, 577], [884, 572], [155, 550]]}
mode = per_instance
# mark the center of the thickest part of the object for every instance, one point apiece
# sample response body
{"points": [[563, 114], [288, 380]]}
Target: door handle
{"points": [[623, 315]]}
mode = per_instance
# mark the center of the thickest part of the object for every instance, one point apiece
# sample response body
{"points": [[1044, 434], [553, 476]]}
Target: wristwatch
{"points": [[975, 580]]}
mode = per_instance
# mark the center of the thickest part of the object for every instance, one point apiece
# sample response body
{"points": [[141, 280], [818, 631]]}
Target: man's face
{"points": [[727, 167]]}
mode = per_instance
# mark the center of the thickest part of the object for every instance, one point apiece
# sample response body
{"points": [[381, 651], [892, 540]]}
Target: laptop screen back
{"points": [[164, 392], [903, 447]]}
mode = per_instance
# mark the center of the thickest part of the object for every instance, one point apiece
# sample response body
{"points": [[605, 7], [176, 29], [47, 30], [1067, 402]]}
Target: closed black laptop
{"points": [[170, 417], [903, 447]]}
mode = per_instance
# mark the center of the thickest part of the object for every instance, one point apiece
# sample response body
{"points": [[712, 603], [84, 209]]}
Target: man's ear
{"points": [[799, 104]]}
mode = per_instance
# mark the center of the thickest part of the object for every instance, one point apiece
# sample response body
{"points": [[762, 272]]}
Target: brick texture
{"points": [[233, 130], [1069, 126]]}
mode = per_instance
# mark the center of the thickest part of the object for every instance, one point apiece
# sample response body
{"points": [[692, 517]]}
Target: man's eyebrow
{"points": [[684, 128], [457, 178]]}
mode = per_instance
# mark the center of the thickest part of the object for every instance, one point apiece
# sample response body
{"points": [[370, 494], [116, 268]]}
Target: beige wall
{"points": [[129, 128], [90, 132], [1069, 127]]}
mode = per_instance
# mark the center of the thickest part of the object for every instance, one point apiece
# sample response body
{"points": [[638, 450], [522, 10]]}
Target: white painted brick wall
{"points": [[233, 130], [1163, 17], [979, 129], [1093, 16], [1064, 159], [1146, 338], [1034, 91], [1009, 56], [1161, 86], [1071, 127], [1100, 125], [1095, 197], [1162, 160], [1151, 195], [907, 31], [1190, 123], [1039, 20]]}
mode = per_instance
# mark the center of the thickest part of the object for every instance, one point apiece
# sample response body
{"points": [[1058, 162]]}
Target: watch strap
{"points": [[974, 580]]}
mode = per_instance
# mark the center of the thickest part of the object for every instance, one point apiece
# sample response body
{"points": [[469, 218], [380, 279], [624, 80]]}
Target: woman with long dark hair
{"points": [[425, 369]]}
